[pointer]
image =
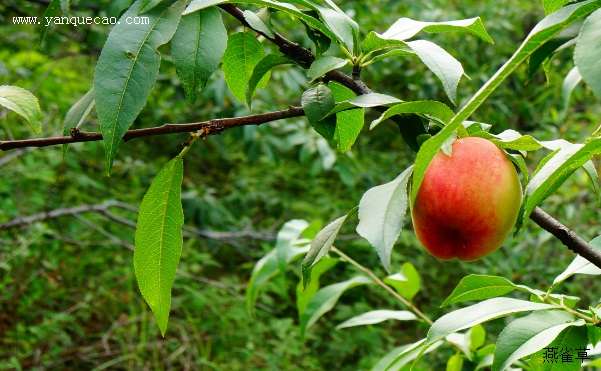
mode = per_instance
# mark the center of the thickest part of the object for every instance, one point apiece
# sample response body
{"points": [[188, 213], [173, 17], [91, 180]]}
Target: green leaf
{"points": [[127, 70], [511, 139], [407, 283], [377, 316], [570, 82], [541, 33], [381, 213], [341, 25], [265, 269], [284, 7], [444, 65], [257, 23], [321, 245], [24, 103], [148, 5], [477, 336], [365, 101], [286, 238], [552, 5], [261, 69], [479, 287], [399, 357], [406, 28], [304, 294], [325, 64], [556, 170], [374, 41], [325, 300], [321, 41], [478, 313], [242, 55], [564, 347], [402, 52], [519, 161], [580, 266], [317, 102], [426, 108], [530, 334], [348, 123], [197, 48], [593, 175], [53, 9], [455, 363], [159, 239], [77, 114], [587, 55]]}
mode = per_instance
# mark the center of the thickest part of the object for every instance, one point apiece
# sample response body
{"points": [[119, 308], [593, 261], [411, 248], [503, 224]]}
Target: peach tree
{"points": [[335, 104]]}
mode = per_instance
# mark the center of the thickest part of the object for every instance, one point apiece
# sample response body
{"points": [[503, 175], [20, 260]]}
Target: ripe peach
{"points": [[467, 203]]}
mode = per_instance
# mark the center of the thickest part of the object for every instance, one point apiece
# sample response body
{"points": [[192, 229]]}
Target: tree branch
{"points": [[212, 127], [567, 236]]}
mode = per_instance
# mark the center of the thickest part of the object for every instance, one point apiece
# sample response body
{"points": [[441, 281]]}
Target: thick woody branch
{"points": [[567, 236], [211, 127]]}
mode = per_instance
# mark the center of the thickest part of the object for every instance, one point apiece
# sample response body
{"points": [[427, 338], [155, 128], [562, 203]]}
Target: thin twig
{"points": [[212, 127], [377, 279]]}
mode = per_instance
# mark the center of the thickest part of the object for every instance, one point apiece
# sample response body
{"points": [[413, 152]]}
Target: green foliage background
{"points": [[68, 297]]}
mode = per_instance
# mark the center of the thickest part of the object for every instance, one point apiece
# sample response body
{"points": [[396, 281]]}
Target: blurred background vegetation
{"points": [[68, 297]]}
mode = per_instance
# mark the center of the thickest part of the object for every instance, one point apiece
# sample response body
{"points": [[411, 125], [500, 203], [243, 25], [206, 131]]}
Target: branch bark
{"points": [[212, 127]]}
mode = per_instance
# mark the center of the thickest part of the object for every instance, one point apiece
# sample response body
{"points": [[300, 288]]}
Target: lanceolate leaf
{"points": [[321, 245], [24, 103], [587, 55], [406, 28], [541, 33], [591, 170], [305, 293], [197, 48], [325, 64], [77, 114], [326, 299], [381, 213], [287, 236], [444, 65], [242, 55], [570, 82], [348, 123], [53, 9], [257, 23], [399, 357], [377, 316], [556, 170], [317, 102], [159, 240], [530, 334], [407, 283], [261, 69], [479, 287], [364, 101], [127, 70], [148, 5], [423, 108], [580, 266], [571, 338], [265, 269], [464, 318], [552, 5]]}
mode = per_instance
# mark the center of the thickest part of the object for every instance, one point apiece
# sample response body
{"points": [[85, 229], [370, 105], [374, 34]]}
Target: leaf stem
{"points": [[371, 274]]}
